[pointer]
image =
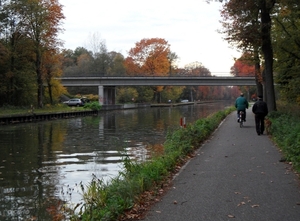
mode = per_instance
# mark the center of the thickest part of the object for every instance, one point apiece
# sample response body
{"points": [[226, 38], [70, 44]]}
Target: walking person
{"points": [[241, 104], [260, 109]]}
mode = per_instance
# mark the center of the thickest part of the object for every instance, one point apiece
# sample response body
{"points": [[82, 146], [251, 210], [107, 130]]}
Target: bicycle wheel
{"points": [[241, 123]]}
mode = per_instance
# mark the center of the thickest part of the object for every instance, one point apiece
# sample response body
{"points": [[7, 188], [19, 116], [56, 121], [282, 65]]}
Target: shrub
{"points": [[285, 131], [95, 106]]}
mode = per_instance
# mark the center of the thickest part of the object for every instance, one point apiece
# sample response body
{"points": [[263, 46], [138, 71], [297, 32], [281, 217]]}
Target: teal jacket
{"points": [[241, 103]]}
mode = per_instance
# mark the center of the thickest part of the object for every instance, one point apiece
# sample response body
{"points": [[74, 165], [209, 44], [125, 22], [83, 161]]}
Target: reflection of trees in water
{"points": [[26, 182], [37, 158]]}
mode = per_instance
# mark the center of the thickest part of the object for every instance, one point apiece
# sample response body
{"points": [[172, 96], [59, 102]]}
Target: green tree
{"points": [[172, 58], [287, 49], [127, 95], [116, 64], [18, 80], [99, 50]]}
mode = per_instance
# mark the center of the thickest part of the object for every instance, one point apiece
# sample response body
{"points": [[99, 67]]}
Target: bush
{"points": [[285, 131], [95, 106]]}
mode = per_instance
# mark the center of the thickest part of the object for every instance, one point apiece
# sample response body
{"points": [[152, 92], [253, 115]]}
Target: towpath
{"points": [[236, 175]]}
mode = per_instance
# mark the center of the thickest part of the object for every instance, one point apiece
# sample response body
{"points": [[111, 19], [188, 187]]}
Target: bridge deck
{"points": [[157, 81]]}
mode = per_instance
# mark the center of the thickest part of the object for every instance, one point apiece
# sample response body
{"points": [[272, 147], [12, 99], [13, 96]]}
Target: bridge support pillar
{"points": [[100, 94], [107, 95]]}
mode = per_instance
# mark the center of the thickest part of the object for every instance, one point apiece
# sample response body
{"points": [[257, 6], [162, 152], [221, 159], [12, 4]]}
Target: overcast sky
{"points": [[189, 26]]}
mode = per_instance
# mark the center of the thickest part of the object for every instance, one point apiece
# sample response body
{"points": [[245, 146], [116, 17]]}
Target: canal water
{"points": [[43, 165]]}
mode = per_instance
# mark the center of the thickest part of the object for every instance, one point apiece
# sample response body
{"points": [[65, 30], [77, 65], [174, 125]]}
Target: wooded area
{"points": [[268, 30], [31, 56]]}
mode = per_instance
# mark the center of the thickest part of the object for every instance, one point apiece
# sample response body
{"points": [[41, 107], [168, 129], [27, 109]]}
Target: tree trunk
{"points": [[258, 78], [50, 93], [39, 78], [268, 54]]}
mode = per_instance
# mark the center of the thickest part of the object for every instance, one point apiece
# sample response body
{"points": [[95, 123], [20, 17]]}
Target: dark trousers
{"points": [[238, 114], [260, 123]]}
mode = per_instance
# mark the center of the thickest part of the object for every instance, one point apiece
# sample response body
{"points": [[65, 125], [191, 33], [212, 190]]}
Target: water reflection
{"points": [[42, 164]]}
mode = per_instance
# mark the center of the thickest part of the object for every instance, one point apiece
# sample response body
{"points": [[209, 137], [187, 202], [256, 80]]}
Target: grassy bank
{"points": [[107, 201], [284, 128], [110, 201], [9, 111]]}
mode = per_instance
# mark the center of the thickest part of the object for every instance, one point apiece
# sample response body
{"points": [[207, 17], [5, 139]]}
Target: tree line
{"points": [[31, 58], [29, 54], [266, 31], [149, 57]]}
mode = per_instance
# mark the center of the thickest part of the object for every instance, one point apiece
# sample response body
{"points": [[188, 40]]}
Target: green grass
{"points": [[9, 111], [285, 132]]}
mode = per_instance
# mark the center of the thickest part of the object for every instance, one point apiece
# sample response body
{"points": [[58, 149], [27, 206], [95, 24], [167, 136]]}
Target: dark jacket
{"points": [[241, 103], [260, 107]]}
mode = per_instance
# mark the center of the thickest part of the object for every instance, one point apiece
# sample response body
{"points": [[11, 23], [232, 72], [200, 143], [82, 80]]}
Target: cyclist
{"points": [[241, 104]]}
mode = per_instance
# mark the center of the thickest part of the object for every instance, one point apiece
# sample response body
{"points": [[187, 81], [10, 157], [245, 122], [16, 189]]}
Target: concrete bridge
{"points": [[106, 85]]}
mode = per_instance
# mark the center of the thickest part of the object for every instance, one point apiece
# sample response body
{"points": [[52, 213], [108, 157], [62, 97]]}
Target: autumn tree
{"points": [[149, 57], [243, 67], [77, 62], [195, 69], [41, 20], [52, 68], [249, 22], [241, 26]]}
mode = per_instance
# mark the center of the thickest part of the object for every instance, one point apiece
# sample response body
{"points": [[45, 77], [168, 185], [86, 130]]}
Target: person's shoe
{"points": [[244, 120], [238, 120], [258, 134]]}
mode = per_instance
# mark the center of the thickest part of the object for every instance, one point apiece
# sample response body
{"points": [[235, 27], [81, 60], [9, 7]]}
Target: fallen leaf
{"points": [[175, 202], [231, 216], [255, 205], [242, 203], [158, 211]]}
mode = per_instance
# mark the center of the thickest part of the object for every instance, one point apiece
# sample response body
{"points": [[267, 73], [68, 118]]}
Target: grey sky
{"points": [[189, 26]]}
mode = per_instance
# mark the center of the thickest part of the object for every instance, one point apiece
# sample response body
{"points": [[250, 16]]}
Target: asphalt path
{"points": [[235, 175]]}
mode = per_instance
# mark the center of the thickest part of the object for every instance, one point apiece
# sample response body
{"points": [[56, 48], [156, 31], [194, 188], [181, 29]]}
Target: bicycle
{"points": [[241, 118]]}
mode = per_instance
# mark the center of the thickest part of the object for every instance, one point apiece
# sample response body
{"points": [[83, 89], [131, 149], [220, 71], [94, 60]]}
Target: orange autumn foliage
{"points": [[243, 67], [149, 57]]}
